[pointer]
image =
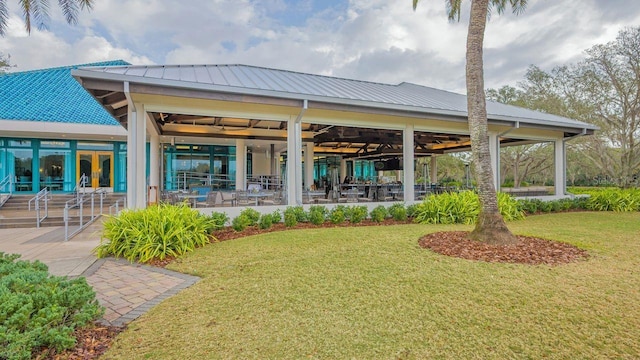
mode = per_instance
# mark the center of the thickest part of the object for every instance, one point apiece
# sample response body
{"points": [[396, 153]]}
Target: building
{"points": [[231, 126]]}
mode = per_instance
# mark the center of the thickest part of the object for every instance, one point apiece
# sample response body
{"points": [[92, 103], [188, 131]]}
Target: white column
{"points": [[433, 169], [298, 162], [154, 169], [561, 168], [291, 166], [131, 156], [308, 165], [136, 158], [408, 164], [241, 165], [494, 151], [343, 169]]}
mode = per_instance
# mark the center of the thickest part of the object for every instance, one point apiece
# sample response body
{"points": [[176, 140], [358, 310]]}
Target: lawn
{"points": [[373, 293]]}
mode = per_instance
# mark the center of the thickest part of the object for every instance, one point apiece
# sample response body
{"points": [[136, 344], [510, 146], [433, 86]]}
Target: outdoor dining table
{"points": [[258, 195], [193, 197]]}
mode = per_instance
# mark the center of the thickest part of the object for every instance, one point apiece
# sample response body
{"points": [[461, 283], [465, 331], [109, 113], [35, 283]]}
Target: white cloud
{"points": [[377, 40]]}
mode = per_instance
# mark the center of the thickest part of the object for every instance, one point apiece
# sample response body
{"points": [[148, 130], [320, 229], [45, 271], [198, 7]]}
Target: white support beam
{"points": [[408, 163], [494, 151], [131, 154], [241, 165], [139, 159], [291, 166], [154, 169], [560, 156], [433, 169], [298, 161], [308, 165]]}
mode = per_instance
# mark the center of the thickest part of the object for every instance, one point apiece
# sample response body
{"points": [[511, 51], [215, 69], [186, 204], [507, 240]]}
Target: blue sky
{"points": [[375, 40]]}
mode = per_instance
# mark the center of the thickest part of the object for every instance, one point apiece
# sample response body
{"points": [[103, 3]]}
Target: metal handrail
{"points": [[81, 184], [79, 202], [6, 182], [42, 195], [115, 208]]}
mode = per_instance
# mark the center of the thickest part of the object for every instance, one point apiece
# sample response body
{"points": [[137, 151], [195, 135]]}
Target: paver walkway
{"points": [[125, 290]]}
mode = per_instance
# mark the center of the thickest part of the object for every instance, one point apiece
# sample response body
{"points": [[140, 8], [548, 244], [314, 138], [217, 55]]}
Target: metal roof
{"points": [[243, 79], [51, 95]]}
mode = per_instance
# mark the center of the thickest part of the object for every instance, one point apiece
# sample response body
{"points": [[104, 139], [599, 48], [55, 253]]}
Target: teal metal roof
{"points": [[51, 95]]}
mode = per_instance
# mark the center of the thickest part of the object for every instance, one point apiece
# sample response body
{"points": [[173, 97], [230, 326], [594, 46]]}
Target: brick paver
{"points": [[129, 290]]}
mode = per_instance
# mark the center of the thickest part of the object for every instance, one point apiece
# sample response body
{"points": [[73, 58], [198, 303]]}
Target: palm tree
{"points": [[38, 11], [490, 226]]}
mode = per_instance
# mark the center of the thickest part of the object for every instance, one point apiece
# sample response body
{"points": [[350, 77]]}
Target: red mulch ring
{"points": [[530, 250]]}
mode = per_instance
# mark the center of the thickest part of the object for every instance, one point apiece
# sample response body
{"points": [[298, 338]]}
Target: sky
{"points": [[373, 40]]}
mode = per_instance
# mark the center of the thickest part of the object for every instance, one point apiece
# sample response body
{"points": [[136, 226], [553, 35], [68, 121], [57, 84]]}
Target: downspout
{"points": [[564, 155], [515, 126]]}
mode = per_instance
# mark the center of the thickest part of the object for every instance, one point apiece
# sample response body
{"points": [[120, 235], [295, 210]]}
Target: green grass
{"points": [[372, 293]]}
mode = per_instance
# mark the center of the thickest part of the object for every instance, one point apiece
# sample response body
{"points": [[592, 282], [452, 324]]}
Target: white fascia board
{"points": [[43, 129]]}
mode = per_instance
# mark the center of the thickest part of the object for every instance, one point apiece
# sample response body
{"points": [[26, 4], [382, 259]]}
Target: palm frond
{"points": [[454, 8], [70, 10], [4, 17]]}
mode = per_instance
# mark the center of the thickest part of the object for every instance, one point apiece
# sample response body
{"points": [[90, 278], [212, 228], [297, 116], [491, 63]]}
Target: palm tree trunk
{"points": [[490, 227]]}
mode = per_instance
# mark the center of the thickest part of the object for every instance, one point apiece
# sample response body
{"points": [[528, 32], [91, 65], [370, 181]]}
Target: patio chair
{"points": [[227, 198], [210, 201]]}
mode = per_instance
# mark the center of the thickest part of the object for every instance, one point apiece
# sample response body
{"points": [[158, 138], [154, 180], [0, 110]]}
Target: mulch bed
{"points": [[95, 341], [530, 250]]}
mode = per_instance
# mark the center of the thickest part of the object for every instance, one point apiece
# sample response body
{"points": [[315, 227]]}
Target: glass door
{"points": [[97, 166]]}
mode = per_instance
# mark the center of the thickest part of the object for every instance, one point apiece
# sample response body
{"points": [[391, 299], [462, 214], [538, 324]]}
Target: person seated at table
{"points": [[347, 180]]}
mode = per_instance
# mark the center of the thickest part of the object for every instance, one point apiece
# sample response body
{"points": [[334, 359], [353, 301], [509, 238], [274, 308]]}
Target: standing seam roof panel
{"points": [[267, 78], [216, 76], [243, 78], [230, 77]]}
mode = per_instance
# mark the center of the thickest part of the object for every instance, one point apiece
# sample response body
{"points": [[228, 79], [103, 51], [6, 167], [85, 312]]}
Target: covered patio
{"points": [[284, 121]]}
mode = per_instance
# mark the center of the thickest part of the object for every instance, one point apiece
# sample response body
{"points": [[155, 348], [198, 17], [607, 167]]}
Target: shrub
{"points": [[411, 210], [379, 213], [301, 215], [318, 214], [398, 212], [218, 220], [266, 221], [154, 233], [276, 217], [252, 215], [290, 217], [337, 216], [358, 213], [240, 222], [38, 310]]}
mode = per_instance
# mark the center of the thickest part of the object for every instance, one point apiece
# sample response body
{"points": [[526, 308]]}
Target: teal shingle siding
{"points": [[51, 95]]}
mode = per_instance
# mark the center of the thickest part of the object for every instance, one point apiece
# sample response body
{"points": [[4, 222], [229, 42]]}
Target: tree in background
{"points": [[38, 12], [490, 226], [4, 63], [603, 89]]}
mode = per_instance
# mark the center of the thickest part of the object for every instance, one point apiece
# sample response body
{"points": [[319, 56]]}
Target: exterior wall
{"points": [[34, 164]]}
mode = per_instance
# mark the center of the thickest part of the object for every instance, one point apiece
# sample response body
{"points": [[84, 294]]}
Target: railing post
{"points": [[81, 213], [37, 212], [66, 222], [92, 199]]}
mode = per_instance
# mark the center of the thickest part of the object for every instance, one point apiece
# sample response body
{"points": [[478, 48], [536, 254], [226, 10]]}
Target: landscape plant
{"points": [[398, 212], [337, 215], [154, 233], [219, 220], [357, 213], [38, 310], [318, 214], [379, 213]]}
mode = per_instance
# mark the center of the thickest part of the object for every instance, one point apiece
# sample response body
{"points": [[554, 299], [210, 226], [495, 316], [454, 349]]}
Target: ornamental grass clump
{"points": [[620, 200], [38, 310], [154, 233], [462, 208]]}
